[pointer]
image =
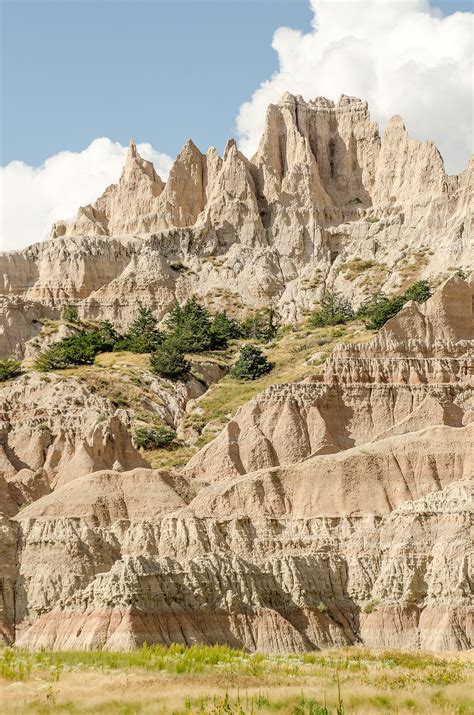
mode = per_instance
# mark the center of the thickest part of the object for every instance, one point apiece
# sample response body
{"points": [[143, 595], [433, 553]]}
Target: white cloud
{"points": [[32, 198], [402, 56]]}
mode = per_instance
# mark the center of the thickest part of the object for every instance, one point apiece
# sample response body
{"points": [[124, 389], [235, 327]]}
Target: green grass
{"points": [[217, 679]]}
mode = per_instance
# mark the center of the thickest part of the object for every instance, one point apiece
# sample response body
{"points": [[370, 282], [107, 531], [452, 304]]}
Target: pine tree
{"points": [[251, 364], [260, 326], [190, 326], [143, 335], [223, 329], [334, 310], [9, 368], [168, 360]]}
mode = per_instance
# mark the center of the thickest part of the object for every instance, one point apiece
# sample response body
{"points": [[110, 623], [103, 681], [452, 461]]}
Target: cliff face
{"points": [[326, 201], [328, 512], [416, 372]]}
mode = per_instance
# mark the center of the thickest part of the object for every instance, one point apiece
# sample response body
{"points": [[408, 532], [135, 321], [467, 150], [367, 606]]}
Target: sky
{"points": [[80, 78]]}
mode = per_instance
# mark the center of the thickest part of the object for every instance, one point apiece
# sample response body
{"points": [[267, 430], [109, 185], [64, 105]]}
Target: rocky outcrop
{"points": [[391, 385], [328, 512], [56, 426], [323, 190], [279, 579]]}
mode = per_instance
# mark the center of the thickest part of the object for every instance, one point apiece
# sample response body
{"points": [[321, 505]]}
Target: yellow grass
{"points": [[216, 679]]}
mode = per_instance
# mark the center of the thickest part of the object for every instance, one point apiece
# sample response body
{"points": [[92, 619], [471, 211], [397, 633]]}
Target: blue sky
{"points": [[158, 70]]}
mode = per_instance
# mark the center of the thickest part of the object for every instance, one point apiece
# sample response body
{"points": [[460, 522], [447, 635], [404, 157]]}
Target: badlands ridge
{"points": [[331, 511]]}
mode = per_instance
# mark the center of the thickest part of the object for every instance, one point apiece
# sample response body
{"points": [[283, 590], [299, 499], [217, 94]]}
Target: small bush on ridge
{"points": [[9, 368], [69, 314], [153, 437]]}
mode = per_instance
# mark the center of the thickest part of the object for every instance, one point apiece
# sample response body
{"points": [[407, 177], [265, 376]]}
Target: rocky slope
{"points": [[328, 512], [326, 201]]}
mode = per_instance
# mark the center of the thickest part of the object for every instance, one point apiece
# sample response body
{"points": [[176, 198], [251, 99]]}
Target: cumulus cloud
{"points": [[402, 56], [32, 198]]}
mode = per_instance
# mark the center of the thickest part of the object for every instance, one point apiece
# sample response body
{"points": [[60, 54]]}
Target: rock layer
{"points": [[327, 513]]}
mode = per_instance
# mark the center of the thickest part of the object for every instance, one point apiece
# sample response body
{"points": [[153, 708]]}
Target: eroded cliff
{"points": [[328, 512]]}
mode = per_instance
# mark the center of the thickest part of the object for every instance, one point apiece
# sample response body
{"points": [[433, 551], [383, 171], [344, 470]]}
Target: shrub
{"points": [[153, 437], [69, 314], [190, 327], [261, 325], [79, 349], [119, 400], [178, 266], [143, 335], [9, 368], [334, 310], [223, 329], [356, 267], [379, 308], [168, 360], [251, 364], [419, 291], [371, 606]]}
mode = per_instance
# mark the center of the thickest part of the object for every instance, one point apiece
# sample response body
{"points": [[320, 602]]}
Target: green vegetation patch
{"points": [[9, 369]]}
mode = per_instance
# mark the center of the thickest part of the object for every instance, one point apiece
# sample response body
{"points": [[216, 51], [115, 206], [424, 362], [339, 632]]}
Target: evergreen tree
{"points": [[9, 368], [419, 291], [334, 310], [379, 308], [168, 359], [261, 325], [143, 335], [108, 331], [79, 349], [251, 364], [223, 329], [190, 326]]}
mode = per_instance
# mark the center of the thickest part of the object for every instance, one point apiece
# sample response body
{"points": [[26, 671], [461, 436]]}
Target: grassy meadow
{"points": [[221, 681]]}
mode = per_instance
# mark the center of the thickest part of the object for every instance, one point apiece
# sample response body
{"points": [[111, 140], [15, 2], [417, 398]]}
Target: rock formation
{"points": [[328, 512], [332, 511], [323, 191]]}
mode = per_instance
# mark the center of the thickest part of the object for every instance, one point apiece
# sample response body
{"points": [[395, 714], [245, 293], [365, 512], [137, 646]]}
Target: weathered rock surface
{"points": [[327, 513], [323, 190], [391, 385]]}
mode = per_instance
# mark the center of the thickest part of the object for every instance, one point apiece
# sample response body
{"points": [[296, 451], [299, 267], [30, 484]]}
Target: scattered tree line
{"points": [[189, 328], [335, 309]]}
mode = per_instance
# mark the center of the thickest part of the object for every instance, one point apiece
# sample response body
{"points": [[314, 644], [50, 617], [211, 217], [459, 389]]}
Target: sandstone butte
{"points": [[332, 511]]}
